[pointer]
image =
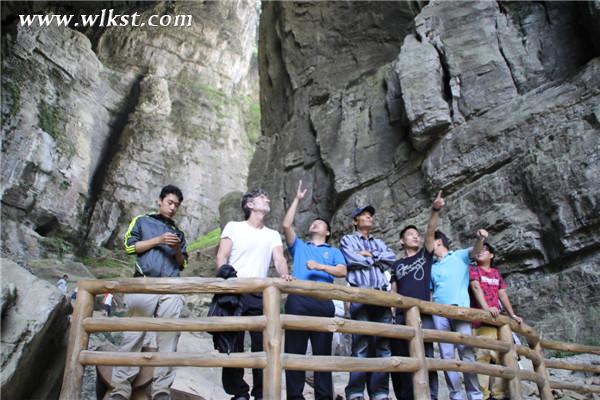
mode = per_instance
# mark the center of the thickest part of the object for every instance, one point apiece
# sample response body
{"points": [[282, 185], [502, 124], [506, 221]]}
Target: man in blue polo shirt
{"points": [[450, 283], [315, 261]]}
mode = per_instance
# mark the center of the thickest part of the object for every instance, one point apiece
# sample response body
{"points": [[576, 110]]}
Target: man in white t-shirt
{"points": [[248, 246]]}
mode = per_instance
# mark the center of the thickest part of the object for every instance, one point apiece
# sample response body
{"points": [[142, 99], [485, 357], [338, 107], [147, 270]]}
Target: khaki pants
{"points": [[148, 305], [485, 356]]}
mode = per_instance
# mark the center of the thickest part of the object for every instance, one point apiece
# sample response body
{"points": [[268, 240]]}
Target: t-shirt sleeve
{"points": [[502, 284], [276, 240], [464, 255], [473, 275], [338, 258], [393, 272], [229, 231], [292, 249]]}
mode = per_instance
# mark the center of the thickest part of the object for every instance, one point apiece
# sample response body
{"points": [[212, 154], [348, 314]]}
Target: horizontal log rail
{"points": [[208, 324], [349, 364], [234, 360], [321, 324], [556, 364], [272, 323], [577, 387], [572, 347]]}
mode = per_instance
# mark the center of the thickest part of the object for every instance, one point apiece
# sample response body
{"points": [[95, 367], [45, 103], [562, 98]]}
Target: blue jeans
{"points": [[364, 346]]}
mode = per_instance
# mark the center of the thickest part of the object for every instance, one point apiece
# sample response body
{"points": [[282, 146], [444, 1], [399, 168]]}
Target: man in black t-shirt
{"points": [[411, 276]]}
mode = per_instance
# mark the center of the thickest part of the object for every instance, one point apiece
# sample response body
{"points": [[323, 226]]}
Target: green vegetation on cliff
{"points": [[208, 240]]}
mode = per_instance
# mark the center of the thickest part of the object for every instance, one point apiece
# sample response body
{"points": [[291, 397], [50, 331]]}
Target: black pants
{"points": [[296, 342], [233, 378], [402, 381]]}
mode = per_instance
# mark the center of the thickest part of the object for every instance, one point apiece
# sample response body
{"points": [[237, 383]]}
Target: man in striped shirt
{"points": [[368, 261]]}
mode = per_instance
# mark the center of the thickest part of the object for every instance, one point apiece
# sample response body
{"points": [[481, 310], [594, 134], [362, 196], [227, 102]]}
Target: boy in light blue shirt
{"points": [[450, 285]]}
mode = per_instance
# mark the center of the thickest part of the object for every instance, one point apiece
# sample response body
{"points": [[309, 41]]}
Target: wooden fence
{"points": [[272, 323]]}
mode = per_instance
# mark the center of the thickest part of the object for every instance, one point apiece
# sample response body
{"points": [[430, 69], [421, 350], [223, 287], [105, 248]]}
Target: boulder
{"points": [[34, 335]]}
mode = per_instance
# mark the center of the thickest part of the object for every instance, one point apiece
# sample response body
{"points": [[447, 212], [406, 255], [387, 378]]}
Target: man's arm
{"points": [[482, 235], [135, 245], [479, 296], [288, 220], [225, 246], [506, 302], [354, 260], [338, 270], [280, 263], [438, 204], [384, 255]]}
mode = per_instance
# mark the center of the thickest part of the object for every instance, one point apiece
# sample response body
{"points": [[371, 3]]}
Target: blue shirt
{"points": [[450, 279], [323, 254]]}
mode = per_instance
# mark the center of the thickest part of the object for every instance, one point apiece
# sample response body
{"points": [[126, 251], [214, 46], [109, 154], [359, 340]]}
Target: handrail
{"points": [[272, 323]]}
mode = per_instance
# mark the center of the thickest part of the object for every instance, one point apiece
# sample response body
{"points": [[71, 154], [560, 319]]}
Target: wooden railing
{"points": [[272, 323]]}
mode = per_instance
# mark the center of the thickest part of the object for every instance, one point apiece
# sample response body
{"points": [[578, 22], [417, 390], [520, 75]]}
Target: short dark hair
{"points": [[328, 227], [248, 196], [407, 227], [170, 189], [441, 235]]}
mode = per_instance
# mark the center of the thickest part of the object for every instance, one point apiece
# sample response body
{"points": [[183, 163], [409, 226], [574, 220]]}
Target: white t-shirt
{"points": [[252, 248], [108, 298]]}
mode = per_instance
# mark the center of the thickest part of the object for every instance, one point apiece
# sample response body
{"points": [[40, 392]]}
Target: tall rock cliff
{"points": [[95, 121], [496, 104]]}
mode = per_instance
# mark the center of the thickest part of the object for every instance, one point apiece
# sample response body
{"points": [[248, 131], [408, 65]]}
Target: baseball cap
{"points": [[490, 248], [361, 210]]}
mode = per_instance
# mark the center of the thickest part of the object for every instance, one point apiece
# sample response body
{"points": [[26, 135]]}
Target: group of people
{"points": [[427, 270]]}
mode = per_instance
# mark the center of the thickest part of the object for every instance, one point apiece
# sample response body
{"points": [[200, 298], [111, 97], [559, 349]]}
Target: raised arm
{"points": [[288, 220], [280, 263], [482, 235], [438, 204], [225, 246]]}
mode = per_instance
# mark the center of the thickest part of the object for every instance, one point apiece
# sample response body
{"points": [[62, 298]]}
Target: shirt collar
{"points": [[360, 236], [319, 245]]}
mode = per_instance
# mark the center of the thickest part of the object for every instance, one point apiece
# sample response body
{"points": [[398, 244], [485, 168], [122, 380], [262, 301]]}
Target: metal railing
{"points": [[272, 324]]}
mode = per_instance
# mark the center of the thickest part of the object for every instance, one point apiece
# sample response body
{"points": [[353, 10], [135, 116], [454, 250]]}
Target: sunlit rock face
{"points": [[496, 104], [96, 122]]}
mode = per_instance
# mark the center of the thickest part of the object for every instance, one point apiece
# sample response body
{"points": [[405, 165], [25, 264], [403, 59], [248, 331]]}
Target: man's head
{"points": [[320, 227], [486, 255], [170, 199], [66, 277], [410, 238], [441, 244], [362, 218], [256, 200]]}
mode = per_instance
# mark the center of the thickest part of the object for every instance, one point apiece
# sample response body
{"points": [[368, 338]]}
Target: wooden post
{"points": [[78, 341], [272, 343], [540, 369], [416, 350], [509, 360]]}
